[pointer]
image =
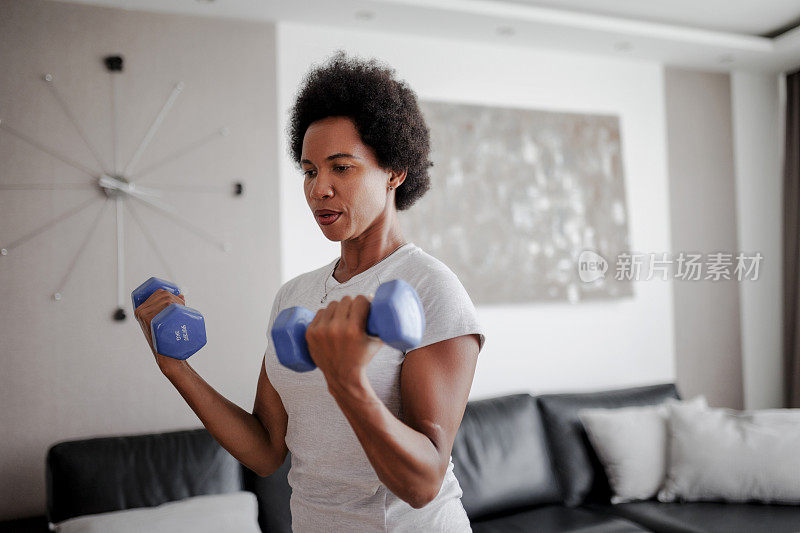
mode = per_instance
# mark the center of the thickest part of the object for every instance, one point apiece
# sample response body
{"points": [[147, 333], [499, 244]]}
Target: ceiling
{"points": [[723, 35], [749, 17]]}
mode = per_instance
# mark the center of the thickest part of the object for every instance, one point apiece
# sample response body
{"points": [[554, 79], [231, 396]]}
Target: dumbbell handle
{"points": [[395, 315], [289, 337]]}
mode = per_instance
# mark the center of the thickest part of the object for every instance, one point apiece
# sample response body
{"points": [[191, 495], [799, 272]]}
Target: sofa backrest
{"points": [[113, 473], [579, 470], [501, 458]]}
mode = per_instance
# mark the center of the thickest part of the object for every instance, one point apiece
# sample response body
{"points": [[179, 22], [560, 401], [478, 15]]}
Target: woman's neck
{"points": [[360, 254]]}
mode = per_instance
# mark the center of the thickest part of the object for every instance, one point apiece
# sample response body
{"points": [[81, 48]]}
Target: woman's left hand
{"points": [[337, 339]]}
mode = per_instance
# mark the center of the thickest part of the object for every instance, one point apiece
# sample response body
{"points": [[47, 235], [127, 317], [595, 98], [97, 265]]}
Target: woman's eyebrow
{"points": [[333, 156]]}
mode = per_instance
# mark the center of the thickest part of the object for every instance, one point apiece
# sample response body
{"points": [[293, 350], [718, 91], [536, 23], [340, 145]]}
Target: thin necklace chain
{"points": [[325, 297]]}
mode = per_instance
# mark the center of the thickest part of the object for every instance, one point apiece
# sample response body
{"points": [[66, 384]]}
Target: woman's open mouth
{"points": [[327, 218]]}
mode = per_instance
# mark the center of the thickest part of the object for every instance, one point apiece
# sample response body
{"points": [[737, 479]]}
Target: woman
{"points": [[372, 428]]}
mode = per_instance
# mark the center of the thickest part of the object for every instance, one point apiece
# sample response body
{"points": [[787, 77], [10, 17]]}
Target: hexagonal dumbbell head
{"points": [[178, 331], [396, 315], [289, 337]]}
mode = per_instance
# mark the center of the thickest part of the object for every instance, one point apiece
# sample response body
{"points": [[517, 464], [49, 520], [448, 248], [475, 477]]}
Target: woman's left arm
{"points": [[411, 456]]}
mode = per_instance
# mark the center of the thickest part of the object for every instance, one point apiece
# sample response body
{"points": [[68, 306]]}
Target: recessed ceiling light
{"points": [[505, 30], [365, 15]]}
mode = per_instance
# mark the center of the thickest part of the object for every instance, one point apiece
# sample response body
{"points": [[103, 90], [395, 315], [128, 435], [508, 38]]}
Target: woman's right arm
{"points": [[256, 440]]}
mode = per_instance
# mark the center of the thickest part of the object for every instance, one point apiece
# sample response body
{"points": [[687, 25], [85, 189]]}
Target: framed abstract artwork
{"points": [[517, 195]]}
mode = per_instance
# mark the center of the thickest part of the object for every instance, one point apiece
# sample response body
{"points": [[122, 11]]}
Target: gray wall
{"points": [[703, 220], [68, 370]]}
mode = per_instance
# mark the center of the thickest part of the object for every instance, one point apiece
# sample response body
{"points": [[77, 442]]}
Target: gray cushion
{"points": [[579, 470], [722, 454], [631, 442]]}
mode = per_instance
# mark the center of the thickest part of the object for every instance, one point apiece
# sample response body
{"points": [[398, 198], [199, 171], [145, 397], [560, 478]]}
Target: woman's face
{"points": [[341, 174]]}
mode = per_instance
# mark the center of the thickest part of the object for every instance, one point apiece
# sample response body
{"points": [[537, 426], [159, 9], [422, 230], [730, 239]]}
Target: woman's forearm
{"points": [[236, 430], [406, 460]]}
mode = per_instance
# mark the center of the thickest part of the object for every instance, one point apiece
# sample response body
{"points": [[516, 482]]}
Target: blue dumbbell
{"points": [[177, 331], [395, 315]]}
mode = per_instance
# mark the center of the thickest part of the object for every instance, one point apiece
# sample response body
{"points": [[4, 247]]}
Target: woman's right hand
{"points": [[148, 309]]}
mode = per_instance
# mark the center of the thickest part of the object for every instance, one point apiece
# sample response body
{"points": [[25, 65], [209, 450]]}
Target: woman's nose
{"points": [[322, 187]]}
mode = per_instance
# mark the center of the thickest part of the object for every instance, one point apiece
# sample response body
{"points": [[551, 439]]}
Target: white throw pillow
{"points": [[736, 456], [631, 444], [236, 512]]}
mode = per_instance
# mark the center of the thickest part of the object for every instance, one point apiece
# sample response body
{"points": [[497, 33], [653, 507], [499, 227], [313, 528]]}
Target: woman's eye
{"points": [[337, 168]]}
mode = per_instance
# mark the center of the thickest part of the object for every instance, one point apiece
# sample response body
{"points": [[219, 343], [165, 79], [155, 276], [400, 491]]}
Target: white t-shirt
{"points": [[334, 486]]}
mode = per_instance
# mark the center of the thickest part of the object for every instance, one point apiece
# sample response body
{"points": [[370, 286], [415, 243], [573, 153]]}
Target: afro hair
{"points": [[383, 109]]}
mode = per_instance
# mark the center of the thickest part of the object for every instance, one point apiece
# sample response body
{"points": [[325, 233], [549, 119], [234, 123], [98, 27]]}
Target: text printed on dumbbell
{"points": [[182, 333]]}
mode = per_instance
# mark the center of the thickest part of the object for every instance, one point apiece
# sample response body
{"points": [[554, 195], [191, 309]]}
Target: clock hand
{"points": [[144, 190], [151, 201], [125, 186], [142, 193]]}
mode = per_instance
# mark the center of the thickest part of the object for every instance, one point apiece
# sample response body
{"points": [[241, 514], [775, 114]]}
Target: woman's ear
{"points": [[396, 178]]}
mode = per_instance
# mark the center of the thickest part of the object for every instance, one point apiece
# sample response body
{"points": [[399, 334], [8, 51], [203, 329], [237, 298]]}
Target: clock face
{"points": [[117, 185]]}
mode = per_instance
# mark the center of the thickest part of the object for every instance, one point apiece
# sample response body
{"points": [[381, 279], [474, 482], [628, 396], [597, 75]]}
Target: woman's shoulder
{"points": [[422, 267], [431, 278]]}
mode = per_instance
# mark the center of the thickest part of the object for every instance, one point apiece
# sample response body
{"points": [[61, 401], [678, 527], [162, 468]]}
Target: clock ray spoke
{"points": [[148, 236], [181, 152], [65, 108], [187, 224], [47, 225], [45, 186], [153, 128], [89, 234], [220, 189], [114, 135], [120, 253], [47, 150]]}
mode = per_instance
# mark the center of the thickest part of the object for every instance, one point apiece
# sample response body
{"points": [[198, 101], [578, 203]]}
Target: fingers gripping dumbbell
{"points": [[177, 331], [395, 315]]}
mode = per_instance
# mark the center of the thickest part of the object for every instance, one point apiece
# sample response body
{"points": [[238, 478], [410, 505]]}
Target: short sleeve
{"points": [[449, 311], [276, 307]]}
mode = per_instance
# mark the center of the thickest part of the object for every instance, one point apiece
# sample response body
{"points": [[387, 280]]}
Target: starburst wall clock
{"points": [[117, 185]]}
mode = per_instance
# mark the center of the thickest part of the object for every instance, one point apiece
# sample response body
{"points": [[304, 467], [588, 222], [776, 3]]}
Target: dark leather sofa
{"points": [[523, 462]]}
